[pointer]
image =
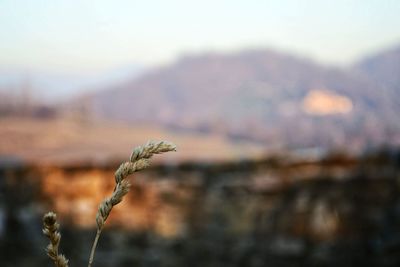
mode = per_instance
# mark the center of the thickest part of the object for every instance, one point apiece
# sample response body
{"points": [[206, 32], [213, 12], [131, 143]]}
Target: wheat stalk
{"points": [[50, 229], [137, 161]]}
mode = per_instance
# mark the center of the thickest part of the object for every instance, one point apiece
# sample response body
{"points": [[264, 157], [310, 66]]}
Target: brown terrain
{"points": [[65, 140]]}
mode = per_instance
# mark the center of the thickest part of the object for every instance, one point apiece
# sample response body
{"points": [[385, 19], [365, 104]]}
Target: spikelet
{"points": [[121, 189], [138, 160], [151, 148], [128, 168], [50, 229]]}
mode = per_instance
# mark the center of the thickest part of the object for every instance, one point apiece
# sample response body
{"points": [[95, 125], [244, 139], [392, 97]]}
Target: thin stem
{"points": [[96, 239]]}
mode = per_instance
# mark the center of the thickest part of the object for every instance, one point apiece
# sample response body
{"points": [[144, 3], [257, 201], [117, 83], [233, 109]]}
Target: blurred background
{"points": [[285, 115]]}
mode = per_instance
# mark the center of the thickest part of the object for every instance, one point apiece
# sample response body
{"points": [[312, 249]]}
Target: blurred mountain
{"points": [[384, 69], [264, 96]]}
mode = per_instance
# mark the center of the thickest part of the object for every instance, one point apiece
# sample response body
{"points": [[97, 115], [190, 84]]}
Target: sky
{"points": [[102, 34]]}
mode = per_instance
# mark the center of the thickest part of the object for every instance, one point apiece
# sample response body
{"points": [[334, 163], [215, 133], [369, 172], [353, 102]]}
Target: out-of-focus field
{"points": [[67, 140], [336, 211]]}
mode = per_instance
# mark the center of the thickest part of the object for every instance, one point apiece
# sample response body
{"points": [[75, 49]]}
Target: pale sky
{"points": [[100, 34]]}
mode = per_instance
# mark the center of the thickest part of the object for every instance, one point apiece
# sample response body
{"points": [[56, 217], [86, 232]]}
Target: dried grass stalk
{"points": [[138, 161], [50, 229]]}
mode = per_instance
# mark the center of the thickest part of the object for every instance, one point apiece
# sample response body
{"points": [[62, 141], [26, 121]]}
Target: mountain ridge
{"points": [[258, 95]]}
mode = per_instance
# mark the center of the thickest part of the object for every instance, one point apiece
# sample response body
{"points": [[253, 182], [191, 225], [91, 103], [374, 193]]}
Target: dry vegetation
{"points": [[138, 160]]}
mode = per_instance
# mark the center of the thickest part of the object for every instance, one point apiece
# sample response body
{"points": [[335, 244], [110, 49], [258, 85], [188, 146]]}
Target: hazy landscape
{"points": [[261, 100], [271, 147], [285, 117]]}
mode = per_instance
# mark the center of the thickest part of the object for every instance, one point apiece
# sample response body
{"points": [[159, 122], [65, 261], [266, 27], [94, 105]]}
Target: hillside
{"points": [[384, 69], [273, 98]]}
